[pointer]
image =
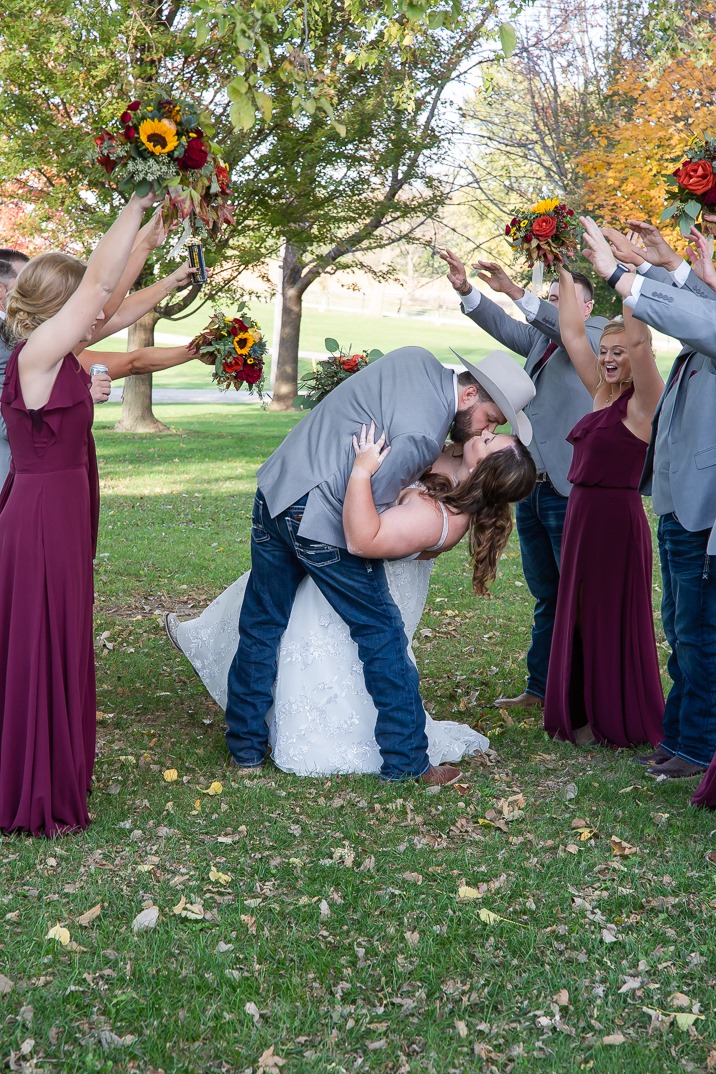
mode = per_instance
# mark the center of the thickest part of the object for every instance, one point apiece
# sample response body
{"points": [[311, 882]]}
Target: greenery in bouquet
{"points": [[693, 185], [235, 347], [165, 142], [329, 372], [546, 232]]}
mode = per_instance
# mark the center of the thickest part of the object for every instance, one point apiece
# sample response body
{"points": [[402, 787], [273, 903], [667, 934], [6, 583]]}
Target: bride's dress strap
{"points": [[443, 535]]}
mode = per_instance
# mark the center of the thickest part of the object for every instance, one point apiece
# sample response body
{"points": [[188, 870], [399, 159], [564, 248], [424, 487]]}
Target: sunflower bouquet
{"points": [[328, 373], [545, 234], [165, 142], [236, 348], [693, 185]]}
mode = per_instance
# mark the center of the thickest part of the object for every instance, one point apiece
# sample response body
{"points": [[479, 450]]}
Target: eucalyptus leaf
{"points": [[672, 210], [693, 208], [331, 344]]}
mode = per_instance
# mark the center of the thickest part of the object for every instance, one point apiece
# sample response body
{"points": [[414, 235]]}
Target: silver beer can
{"points": [[96, 370]]}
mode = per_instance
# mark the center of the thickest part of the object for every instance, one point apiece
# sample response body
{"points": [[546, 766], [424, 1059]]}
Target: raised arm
{"points": [[148, 238], [573, 333], [399, 531], [648, 383], [52, 339], [140, 302], [143, 360]]}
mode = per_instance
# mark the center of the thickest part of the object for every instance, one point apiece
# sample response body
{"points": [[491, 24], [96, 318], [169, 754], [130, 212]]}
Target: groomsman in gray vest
{"points": [[297, 529], [11, 261], [680, 474], [560, 401]]}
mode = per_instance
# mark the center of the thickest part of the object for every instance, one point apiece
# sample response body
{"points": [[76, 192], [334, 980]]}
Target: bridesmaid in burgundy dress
{"points": [[48, 525], [604, 683]]}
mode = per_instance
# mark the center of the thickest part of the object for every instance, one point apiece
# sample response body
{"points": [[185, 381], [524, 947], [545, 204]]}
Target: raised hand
{"points": [[699, 256], [370, 452], [656, 248], [181, 277], [154, 231], [495, 277], [457, 275], [626, 250], [599, 251]]}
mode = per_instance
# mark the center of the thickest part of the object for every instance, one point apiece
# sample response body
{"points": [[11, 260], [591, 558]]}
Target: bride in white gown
{"points": [[322, 721]]}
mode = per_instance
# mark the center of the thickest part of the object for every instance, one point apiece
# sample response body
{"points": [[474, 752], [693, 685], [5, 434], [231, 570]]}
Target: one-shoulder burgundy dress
{"points": [[607, 674], [49, 508]]}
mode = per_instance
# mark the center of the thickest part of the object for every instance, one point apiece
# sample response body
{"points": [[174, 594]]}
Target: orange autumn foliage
{"points": [[649, 136]]}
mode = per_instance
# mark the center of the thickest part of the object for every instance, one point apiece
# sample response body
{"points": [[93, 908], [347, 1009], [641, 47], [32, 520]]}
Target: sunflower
{"points": [[243, 343], [158, 136], [546, 206]]}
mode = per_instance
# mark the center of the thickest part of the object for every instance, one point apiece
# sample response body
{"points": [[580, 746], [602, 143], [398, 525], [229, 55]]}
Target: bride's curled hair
{"points": [[41, 289], [500, 479]]}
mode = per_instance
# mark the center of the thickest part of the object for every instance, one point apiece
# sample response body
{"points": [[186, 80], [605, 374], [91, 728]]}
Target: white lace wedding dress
{"points": [[323, 718]]}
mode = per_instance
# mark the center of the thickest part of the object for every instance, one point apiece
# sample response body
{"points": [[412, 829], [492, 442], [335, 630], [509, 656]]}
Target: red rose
{"points": [[570, 212], [709, 198], [349, 364], [129, 133], [544, 227], [696, 176], [528, 237], [195, 155], [134, 106], [252, 373], [508, 229], [107, 163], [237, 326], [222, 178], [125, 118], [514, 222]]}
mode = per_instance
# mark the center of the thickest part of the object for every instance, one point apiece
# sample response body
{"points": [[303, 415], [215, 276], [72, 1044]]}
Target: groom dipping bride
{"points": [[328, 511]]}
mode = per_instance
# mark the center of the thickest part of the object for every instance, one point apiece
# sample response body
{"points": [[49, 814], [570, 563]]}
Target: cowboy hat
{"points": [[507, 384]]}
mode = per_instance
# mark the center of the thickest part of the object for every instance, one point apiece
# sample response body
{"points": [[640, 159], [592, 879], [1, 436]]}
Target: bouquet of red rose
{"points": [[329, 372], [695, 185], [545, 233], [164, 142], [235, 348]]}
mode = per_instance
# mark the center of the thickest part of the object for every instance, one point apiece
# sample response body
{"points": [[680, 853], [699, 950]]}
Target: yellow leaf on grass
{"points": [[488, 916], [192, 910], [214, 788], [197, 803], [465, 893], [60, 934], [222, 878], [586, 833], [170, 775], [684, 1020]]}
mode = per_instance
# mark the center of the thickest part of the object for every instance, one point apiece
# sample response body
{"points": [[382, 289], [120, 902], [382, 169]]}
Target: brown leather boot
{"points": [[443, 775]]}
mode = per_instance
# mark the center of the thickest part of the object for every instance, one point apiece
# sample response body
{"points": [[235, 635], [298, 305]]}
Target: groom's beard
{"points": [[461, 430]]}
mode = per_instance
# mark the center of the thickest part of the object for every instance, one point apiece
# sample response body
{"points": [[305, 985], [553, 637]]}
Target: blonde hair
{"points": [[41, 289], [616, 327]]}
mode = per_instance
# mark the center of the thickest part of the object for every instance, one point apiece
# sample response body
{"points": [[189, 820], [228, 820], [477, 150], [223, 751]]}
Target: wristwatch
{"points": [[464, 294], [619, 271]]}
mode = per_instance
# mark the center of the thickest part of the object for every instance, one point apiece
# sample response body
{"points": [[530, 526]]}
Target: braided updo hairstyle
{"points": [[501, 478], [41, 289]]}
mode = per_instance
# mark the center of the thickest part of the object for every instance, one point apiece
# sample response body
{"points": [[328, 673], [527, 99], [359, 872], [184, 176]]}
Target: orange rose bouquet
{"points": [[693, 185], [329, 372], [546, 233]]}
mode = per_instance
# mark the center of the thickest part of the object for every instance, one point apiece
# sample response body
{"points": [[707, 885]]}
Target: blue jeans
{"points": [[540, 521], [358, 591], [688, 609]]}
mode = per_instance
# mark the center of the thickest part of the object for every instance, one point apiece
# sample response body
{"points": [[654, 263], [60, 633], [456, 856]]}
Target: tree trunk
{"points": [[137, 416], [286, 383]]}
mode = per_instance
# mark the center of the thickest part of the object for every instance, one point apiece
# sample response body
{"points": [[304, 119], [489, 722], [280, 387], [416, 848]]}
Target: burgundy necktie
{"points": [[548, 352]]}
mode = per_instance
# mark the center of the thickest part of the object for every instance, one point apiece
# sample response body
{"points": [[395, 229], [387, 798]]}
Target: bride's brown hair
{"points": [[501, 478]]}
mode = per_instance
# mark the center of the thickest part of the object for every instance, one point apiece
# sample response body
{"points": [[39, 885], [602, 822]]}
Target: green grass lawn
{"points": [[326, 933], [357, 330]]}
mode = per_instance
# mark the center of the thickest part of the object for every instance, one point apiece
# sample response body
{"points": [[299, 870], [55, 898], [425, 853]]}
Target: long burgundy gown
{"points": [[607, 676], [705, 793], [49, 510]]}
